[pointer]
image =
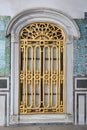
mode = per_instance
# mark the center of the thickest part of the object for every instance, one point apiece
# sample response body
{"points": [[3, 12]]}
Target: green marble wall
{"points": [[80, 50], [4, 47]]}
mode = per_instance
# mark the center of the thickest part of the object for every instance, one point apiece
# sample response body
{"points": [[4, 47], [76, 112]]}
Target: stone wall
{"points": [[80, 73], [80, 50]]}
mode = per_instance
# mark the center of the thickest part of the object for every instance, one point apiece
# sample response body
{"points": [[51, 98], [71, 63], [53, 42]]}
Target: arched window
{"points": [[41, 80], [41, 66]]}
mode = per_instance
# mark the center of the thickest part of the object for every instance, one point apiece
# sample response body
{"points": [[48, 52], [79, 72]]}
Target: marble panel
{"points": [[4, 47]]}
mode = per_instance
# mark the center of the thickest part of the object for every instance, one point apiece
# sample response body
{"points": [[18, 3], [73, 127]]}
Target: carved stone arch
{"points": [[43, 14], [71, 31]]}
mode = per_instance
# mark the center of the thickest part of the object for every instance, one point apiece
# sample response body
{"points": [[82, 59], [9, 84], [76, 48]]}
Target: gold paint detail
{"points": [[41, 76]]}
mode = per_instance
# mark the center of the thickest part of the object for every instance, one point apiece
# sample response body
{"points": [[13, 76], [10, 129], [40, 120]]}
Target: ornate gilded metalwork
{"points": [[41, 80]]}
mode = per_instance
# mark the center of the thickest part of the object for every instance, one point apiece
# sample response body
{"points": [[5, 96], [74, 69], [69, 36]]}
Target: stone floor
{"points": [[45, 127]]}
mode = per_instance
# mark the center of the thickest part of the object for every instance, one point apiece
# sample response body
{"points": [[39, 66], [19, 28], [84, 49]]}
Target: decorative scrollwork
{"points": [[41, 76], [29, 77], [21, 77], [37, 77], [46, 77], [42, 31]]}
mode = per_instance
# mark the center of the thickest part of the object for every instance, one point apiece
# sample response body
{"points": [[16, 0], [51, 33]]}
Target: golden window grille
{"points": [[41, 76]]}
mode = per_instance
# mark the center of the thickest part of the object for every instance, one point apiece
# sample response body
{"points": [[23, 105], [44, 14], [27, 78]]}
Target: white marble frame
{"points": [[80, 93], [71, 31], [6, 102]]}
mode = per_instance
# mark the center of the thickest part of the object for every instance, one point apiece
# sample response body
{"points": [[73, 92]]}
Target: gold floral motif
{"points": [[22, 76], [46, 77], [29, 77], [37, 77]]}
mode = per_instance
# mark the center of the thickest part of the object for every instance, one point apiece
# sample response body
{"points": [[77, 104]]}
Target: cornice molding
{"points": [[46, 15]]}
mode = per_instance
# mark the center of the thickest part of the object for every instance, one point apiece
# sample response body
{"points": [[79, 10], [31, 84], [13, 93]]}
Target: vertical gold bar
{"points": [[57, 84], [28, 86], [51, 76], [49, 68], [26, 61], [43, 75], [31, 73], [64, 81], [40, 78], [62, 70], [31, 70], [34, 76], [24, 83], [39, 70], [46, 71], [59, 75], [55, 72]]}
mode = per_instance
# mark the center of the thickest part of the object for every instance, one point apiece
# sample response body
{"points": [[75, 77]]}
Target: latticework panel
{"points": [[41, 82]]}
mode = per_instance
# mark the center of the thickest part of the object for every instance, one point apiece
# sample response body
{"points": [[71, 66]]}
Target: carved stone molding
{"points": [[13, 119], [14, 38], [45, 15]]}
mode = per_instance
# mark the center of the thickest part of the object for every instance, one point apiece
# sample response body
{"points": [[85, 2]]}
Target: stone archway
{"points": [[71, 31]]}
